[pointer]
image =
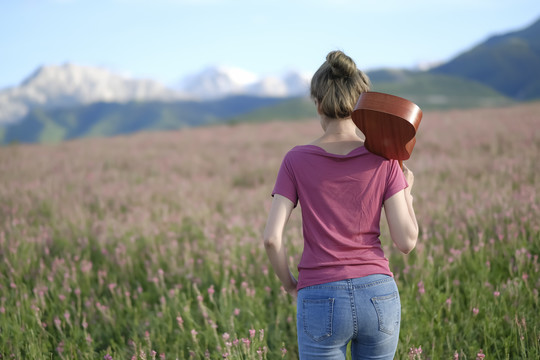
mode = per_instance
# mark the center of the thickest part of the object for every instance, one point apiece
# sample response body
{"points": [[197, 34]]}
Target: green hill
{"points": [[508, 63], [436, 91], [109, 119], [288, 110]]}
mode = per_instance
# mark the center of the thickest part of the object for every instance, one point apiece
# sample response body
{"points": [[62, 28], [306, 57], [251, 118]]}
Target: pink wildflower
{"points": [[86, 266], [480, 355], [180, 321], [421, 289], [475, 311], [415, 352], [252, 333], [225, 336], [60, 347], [496, 294], [236, 311]]}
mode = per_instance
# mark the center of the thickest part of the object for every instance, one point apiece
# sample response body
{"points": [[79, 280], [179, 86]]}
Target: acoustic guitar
{"points": [[389, 124]]}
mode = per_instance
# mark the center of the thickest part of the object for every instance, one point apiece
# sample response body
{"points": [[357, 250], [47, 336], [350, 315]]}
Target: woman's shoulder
{"points": [[304, 148], [351, 150]]}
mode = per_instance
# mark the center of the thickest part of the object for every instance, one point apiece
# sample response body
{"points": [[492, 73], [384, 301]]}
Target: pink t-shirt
{"points": [[341, 198]]}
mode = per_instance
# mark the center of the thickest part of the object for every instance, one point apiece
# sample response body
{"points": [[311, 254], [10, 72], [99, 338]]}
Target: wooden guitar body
{"points": [[389, 124]]}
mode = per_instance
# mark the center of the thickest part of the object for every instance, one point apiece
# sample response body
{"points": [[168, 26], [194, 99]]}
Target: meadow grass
{"points": [[149, 246]]}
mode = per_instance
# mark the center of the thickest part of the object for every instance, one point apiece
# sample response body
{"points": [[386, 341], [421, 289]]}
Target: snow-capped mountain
{"points": [[220, 81], [65, 85], [56, 86], [216, 82], [298, 83]]}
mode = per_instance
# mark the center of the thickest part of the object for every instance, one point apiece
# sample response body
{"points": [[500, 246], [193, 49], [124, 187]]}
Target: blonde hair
{"points": [[337, 84]]}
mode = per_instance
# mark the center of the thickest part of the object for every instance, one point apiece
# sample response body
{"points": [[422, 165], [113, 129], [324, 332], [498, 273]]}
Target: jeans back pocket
{"points": [[317, 318], [388, 308]]}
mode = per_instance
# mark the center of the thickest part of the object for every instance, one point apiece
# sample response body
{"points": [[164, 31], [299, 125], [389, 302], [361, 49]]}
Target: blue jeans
{"points": [[365, 311]]}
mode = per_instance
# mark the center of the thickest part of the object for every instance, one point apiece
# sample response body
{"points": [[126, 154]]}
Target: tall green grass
{"points": [[148, 247]]}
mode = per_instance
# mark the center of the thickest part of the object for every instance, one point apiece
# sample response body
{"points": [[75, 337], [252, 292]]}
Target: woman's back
{"points": [[341, 196]]}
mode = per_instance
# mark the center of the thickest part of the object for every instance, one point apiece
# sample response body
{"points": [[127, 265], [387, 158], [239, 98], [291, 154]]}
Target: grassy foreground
{"points": [[148, 246]]}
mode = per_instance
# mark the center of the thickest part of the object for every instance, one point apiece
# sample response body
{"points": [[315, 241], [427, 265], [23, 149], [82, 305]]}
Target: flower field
{"points": [[149, 246]]}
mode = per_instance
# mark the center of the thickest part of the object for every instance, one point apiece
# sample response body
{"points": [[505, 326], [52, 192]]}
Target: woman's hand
{"points": [[293, 290]]}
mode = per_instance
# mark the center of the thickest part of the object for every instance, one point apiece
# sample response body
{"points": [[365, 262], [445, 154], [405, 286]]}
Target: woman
{"points": [[345, 290]]}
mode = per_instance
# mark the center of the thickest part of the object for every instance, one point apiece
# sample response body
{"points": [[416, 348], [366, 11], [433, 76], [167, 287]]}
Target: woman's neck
{"points": [[341, 136], [339, 130]]}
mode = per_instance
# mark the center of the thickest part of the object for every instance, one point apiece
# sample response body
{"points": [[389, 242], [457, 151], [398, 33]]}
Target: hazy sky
{"points": [[167, 39]]}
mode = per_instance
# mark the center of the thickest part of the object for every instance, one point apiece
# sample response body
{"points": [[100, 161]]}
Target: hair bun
{"points": [[342, 66], [337, 84]]}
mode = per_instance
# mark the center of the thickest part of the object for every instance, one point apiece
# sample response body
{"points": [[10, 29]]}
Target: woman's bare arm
{"points": [[273, 241], [401, 216]]}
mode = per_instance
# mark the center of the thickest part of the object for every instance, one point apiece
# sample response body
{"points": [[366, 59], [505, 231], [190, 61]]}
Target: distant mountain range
{"points": [[68, 101], [69, 85]]}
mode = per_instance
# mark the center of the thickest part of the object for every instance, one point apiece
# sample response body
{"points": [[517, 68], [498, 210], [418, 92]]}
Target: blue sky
{"points": [[167, 39]]}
